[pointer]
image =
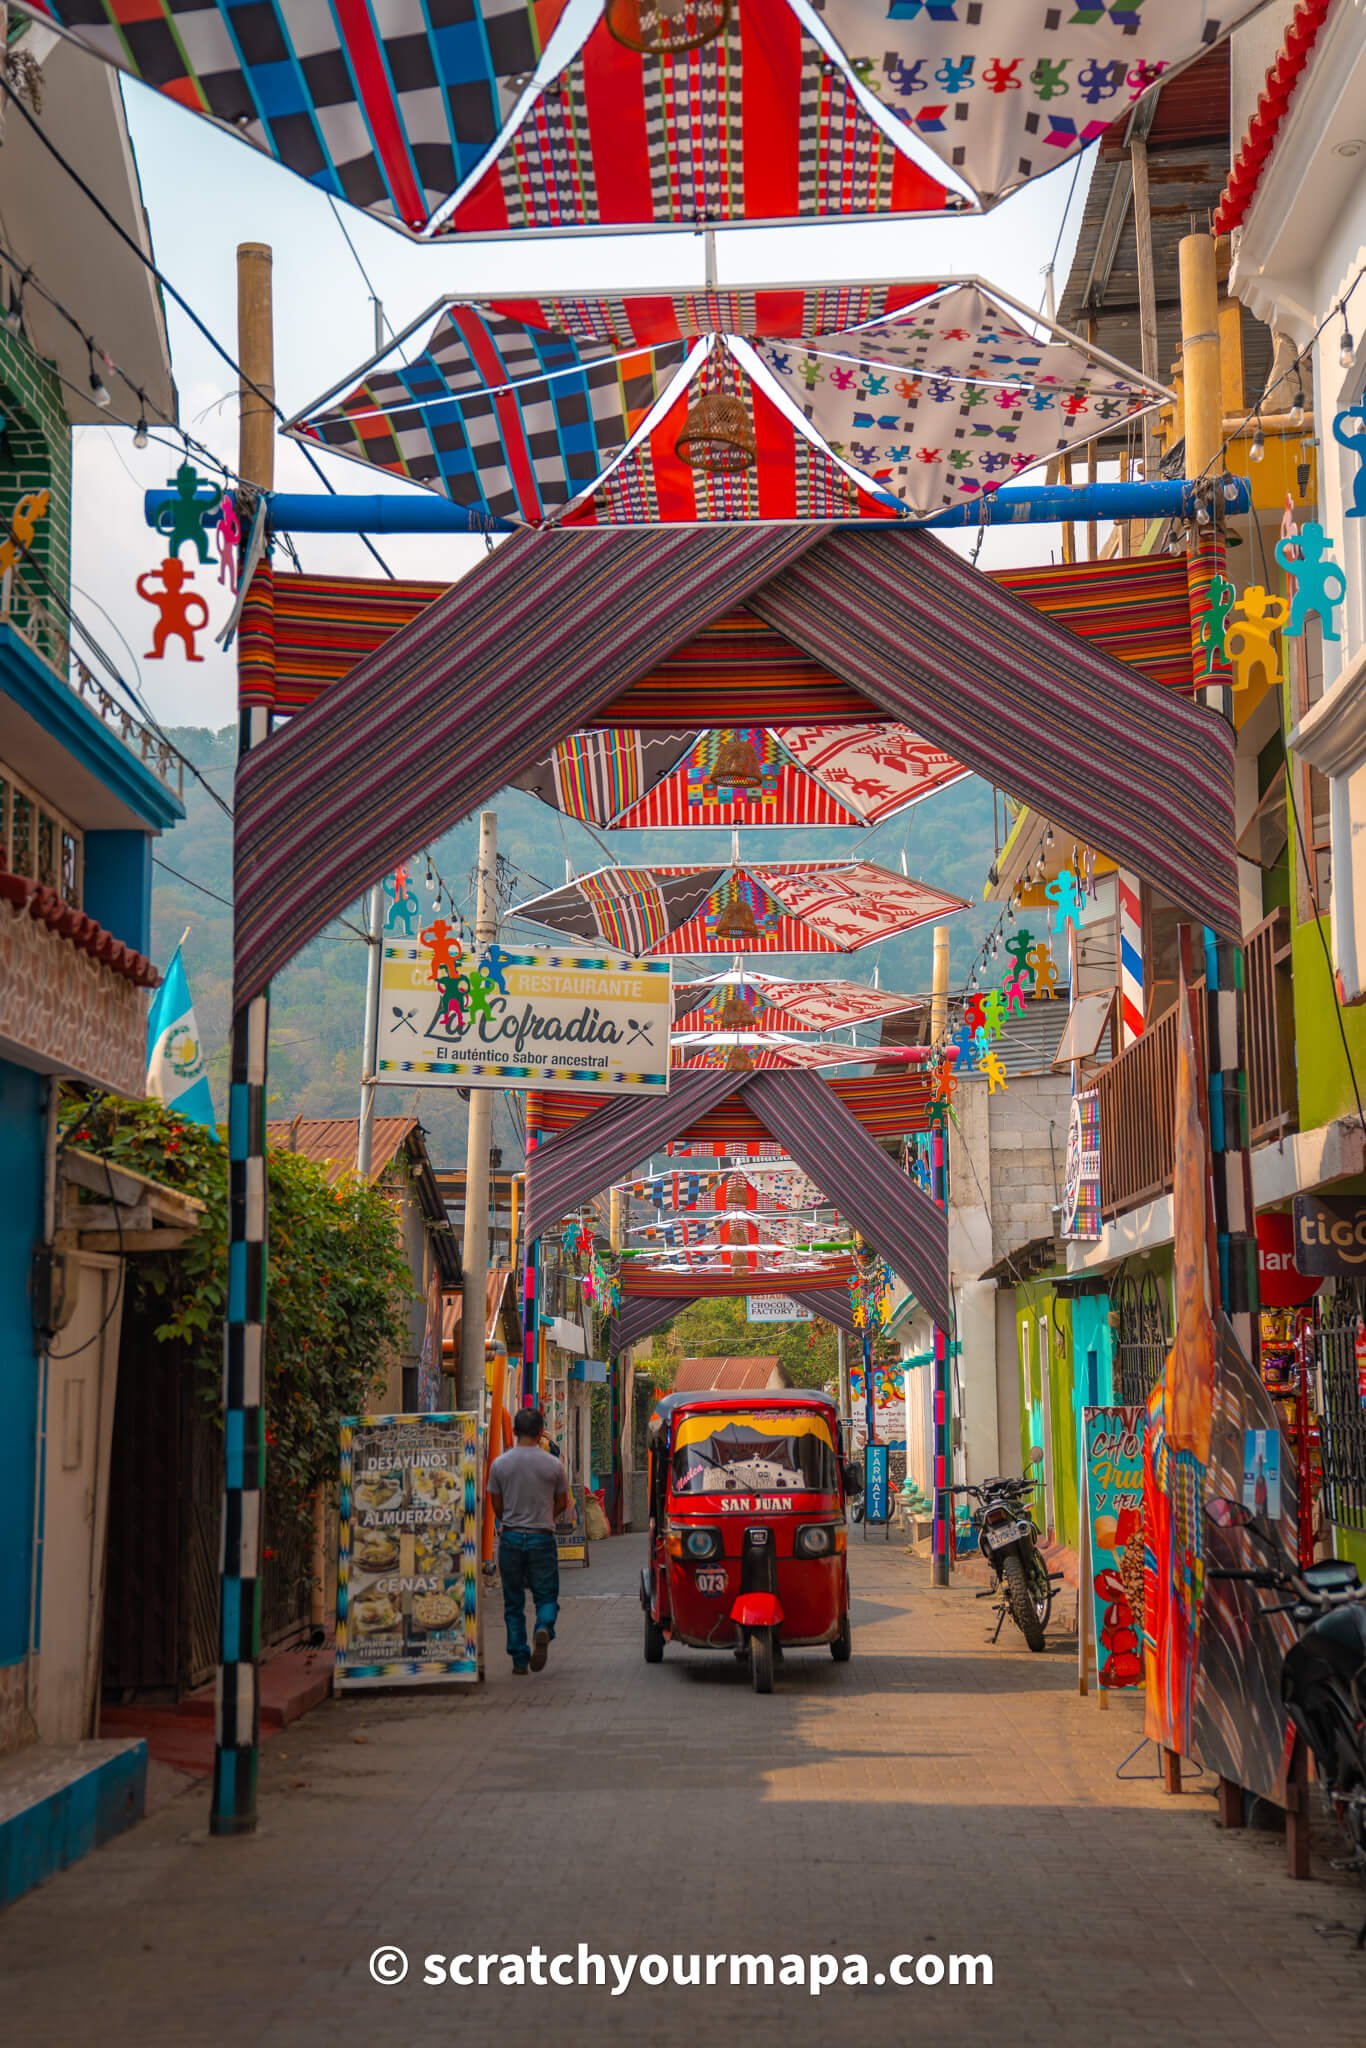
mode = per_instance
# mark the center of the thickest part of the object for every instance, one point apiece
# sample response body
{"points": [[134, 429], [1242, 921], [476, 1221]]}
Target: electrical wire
{"points": [[190, 882], [17, 105]]}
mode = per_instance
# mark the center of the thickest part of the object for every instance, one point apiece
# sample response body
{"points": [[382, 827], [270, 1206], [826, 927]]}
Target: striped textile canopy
{"points": [[646, 1284], [1137, 609], [622, 778], [640, 1315], [551, 631], [760, 907], [809, 1120], [776, 1003], [913, 394], [730, 1128]]}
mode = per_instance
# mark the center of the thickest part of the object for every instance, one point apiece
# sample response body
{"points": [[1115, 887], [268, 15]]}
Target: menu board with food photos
{"points": [[407, 1563]]}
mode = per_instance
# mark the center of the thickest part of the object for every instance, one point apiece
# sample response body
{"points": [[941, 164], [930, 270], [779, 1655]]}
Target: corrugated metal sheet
{"points": [[731, 1375], [330, 1141]]}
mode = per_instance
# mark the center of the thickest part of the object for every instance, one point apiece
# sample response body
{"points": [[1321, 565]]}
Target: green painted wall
{"points": [[1323, 1080], [35, 454]]}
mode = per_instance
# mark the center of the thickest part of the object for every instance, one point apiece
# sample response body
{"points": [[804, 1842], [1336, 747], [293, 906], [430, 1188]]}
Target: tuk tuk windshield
{"points": [[759, 1453]]}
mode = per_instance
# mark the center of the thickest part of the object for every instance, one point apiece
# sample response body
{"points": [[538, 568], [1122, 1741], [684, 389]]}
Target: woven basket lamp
{"points": [[736, 1015], [737, 920], [664, 28], [718, 435], [737, 764], [737, 1060]]}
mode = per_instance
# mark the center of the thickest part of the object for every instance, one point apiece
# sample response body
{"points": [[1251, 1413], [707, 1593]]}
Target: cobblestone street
{"points": [[935, 1795]]}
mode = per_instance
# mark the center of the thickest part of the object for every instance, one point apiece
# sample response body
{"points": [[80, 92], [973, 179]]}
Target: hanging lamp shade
{"points": [[736, 920], [738, 1061], [737, 1015], [737, 764], [666, 28], [718, 435]]}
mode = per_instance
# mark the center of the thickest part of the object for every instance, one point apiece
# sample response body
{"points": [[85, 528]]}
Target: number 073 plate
{"points": [[711, 1581]]}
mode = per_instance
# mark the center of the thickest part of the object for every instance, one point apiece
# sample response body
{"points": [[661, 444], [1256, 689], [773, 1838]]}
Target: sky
{"points": [[205, 191]]}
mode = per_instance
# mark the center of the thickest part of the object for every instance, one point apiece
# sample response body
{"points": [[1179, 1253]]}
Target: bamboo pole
{"points": [[1147, 292]]}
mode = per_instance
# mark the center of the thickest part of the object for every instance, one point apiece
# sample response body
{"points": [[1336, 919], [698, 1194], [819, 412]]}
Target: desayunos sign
{"points": [[505, 1019]]}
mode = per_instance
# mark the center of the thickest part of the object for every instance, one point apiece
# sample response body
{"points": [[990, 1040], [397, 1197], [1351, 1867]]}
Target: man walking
{"points": [[528, 1488]]}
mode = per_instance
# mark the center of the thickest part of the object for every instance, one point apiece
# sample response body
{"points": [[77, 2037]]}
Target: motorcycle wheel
{"points": [[842, 1648], [1022, 1608], [761, 1658], [1041, 1588], [654, 1640]]}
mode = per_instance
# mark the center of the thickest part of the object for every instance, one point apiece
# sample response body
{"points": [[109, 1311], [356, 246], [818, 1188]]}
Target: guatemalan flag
{"points": [[176, 1072]]}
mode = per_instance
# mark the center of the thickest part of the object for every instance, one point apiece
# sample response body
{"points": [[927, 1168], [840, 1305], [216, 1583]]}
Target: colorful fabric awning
{"points": [[955, 397], [764, 1051], [928, 392], [390, 104], [758, 125], [775, 1003], [555, 626], [840, 775], [782, 907], [1004, 93]]}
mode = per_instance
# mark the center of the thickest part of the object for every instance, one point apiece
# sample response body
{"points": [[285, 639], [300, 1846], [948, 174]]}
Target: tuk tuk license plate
{"points": [[711, 1581]]}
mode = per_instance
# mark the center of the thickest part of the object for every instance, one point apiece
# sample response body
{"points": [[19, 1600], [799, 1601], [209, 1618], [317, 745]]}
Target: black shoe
{"points": [[520, 1670], [540, 1649]]}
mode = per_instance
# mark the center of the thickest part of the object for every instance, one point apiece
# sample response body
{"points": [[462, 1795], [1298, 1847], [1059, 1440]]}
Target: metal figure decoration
{"points": [[1213, 617], [1312, 577], [1249, 643], [186, 518], [173, 604], [1355, 444]]}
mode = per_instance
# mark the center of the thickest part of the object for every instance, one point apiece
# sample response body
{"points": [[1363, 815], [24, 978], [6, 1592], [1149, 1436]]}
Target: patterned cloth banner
{"points": [[791, 907], [955, 397], [758, 125], [391, 104], [511, 418], [638, 1319], [762, 1053], [888, 1106], [1004, 93], [830, 1303], [555, 626], [776, 1003], [574, 1165]]}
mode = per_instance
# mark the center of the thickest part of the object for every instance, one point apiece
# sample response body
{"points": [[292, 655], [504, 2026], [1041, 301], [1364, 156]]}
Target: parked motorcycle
{"points": [[1323, 1678], [1008, 1539]]}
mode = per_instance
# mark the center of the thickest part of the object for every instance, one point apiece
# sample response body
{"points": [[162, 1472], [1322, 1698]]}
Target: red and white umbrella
{"points": [[745, 1051], [743, 999]]}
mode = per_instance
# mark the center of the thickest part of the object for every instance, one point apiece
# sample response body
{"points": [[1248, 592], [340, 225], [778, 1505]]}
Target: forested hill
{"points": [[317, 1005]]}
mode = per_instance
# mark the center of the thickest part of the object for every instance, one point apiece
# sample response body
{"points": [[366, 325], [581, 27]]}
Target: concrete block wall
{"points": [[1027, 1136]]}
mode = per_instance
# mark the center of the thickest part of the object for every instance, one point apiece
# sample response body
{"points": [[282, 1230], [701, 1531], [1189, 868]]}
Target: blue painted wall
{"points": [[118, 885], [21, 1178]]}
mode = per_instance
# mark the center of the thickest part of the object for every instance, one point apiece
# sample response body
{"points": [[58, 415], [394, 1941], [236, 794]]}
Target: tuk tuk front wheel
{"points": [[761, 1658], [654, 1640], [842, 1648]]}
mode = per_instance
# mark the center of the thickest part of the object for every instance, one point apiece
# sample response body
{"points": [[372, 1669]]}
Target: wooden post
{"points": [[237, 1731], [1147, 292], [1171, 1771], [1230, 1797], [1297, 1812]]}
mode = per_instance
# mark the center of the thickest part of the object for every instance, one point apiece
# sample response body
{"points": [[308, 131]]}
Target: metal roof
{"points": [[330, 1141], [754, 1370]]}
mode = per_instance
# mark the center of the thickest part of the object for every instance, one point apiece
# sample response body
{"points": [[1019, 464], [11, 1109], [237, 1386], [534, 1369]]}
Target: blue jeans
{"points": [[528, 1562]]}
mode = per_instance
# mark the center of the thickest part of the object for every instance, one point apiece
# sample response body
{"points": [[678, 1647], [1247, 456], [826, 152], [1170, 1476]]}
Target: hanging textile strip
{"points": [[1092, 744], [887, 1106], [517, 655], [636, 1320], [756, 125], [829, 1303], [573, 1166], [646, 1285]]}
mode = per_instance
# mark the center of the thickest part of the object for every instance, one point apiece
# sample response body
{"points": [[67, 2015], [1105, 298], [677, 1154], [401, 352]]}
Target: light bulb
{"points": [[14, 314], [140, 433], [1347, 348], [1297, 407], [98, 389], [1257, 445], [1202, 515]]}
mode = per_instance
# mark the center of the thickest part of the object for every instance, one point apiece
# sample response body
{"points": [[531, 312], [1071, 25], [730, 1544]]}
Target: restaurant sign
{"points": [[407, 1561], [1330, 1233], [514, 1019]]}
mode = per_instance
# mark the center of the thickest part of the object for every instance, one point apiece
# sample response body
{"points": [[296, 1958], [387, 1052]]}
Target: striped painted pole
{"points": [[530, 1289], [237, 1722], [1230, 1141], [869, 1413], [1129, 921], [942, 1523]]}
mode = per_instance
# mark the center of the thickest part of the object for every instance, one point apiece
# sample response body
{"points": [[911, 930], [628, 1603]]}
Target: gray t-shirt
{"points": [[528, 1481]]}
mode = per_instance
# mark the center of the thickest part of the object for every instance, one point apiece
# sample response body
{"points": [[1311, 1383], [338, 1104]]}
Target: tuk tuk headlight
{"points": [[700, 1544], [816, 1540]]}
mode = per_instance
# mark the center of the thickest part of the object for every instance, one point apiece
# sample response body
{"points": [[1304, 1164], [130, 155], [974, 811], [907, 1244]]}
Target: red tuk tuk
{"points": [[747, 1533]]}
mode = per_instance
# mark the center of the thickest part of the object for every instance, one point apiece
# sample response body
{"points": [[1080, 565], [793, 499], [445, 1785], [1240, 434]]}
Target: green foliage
{"points": [[715, 1327], [340, 1287]]}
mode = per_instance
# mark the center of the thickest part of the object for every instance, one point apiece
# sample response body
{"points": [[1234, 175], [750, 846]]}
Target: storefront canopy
{"points": [[556, 625]]}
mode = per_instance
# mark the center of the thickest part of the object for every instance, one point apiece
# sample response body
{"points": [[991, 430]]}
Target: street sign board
{"points": [[775, 1308], [508, 1018]]}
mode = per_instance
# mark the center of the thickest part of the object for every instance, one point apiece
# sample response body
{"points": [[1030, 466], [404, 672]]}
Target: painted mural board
{"points": [[407, 1561], [1112, 1476], [522, 1019]]}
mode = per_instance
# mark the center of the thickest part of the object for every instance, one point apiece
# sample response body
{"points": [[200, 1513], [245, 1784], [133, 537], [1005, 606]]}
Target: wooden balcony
{"points": [[1137, 1091]]}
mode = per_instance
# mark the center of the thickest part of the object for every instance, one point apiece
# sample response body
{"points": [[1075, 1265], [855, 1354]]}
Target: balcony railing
{"points": [[1137, 1091]]}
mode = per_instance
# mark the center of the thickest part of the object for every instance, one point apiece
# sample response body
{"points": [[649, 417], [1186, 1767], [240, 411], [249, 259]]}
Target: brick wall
{"points": [[35, 454]]}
